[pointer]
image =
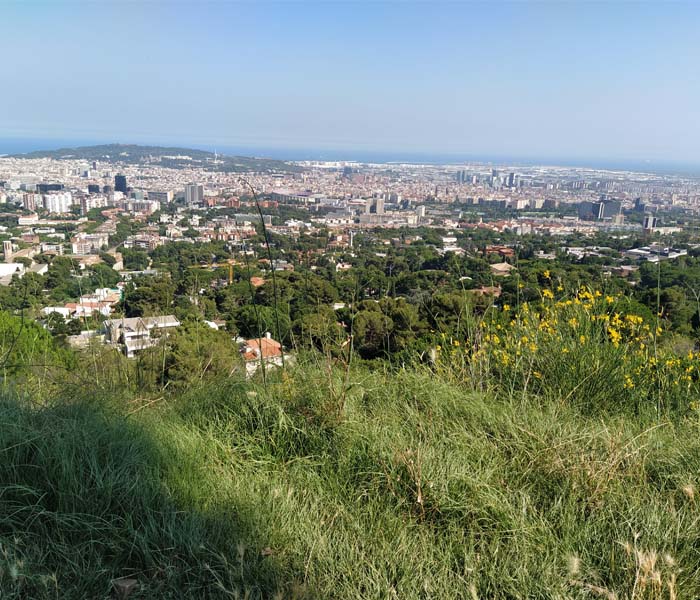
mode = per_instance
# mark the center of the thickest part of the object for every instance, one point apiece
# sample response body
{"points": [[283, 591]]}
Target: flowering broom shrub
{"points": [[584, 348]]}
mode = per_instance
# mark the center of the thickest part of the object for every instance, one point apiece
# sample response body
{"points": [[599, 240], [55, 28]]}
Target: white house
{"points": [[136, 333]]}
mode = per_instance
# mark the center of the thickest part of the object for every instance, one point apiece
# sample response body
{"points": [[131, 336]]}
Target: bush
{"points": [[587, 351]]}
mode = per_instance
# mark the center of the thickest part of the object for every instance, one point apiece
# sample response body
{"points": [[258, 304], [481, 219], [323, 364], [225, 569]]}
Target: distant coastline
{"points": [[25, 145]]}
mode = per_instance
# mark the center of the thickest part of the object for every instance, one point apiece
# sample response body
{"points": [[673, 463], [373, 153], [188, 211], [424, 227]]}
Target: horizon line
{"points": [[431, 156]]}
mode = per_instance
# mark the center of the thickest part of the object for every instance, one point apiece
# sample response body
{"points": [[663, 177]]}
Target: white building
{"points": [[87, 203], [89, 243], [135, 334], [32, 219], [58, 202], [7, 270]]}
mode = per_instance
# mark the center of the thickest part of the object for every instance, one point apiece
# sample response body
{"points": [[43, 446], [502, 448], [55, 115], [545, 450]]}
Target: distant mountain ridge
{"points": [[172, 157]]}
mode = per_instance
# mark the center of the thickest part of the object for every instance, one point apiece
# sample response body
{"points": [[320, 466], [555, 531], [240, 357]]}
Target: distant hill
{"points": [[171, 157]]}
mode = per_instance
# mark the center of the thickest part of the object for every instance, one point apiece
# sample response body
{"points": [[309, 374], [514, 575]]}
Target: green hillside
{"points": [[172, 157]]}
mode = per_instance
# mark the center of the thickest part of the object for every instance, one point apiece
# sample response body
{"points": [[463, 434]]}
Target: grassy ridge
{"points": [[413, 488]]}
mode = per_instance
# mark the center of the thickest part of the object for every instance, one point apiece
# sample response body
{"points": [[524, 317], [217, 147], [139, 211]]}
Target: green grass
{"points": [[415, 489]]}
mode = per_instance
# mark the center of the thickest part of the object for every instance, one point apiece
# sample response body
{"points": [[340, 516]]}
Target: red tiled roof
{"points": [[268, 347]]}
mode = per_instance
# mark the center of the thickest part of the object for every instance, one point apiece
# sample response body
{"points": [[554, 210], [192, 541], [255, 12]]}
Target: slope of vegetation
{"points": [[167, 156], [548, 449], [399, 486]]}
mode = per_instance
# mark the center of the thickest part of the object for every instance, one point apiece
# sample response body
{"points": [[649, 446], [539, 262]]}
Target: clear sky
{"points": [[528, 79]]}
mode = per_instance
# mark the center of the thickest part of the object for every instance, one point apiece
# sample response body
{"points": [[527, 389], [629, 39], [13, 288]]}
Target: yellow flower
{"points": [[548, 294], [609, 299], [546, 274], [506, 307], [582, 339], [560, 288], [615, 336]]}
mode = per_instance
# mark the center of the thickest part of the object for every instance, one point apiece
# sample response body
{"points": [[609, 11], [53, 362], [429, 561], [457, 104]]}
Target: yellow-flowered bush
{"points": [[584, 348]]}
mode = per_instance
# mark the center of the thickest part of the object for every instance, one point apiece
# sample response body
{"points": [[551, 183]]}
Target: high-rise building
{"points": [[31, 201], [374, 206], [159, 196], [59, 202], [43, 188], [511, 179], [650, 222], [609, 209], [93, 188], [120, 183], [605, 209], [194, 194]]}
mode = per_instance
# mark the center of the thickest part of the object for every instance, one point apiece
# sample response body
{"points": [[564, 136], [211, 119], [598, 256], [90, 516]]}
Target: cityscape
{"points": [[349, 300]]}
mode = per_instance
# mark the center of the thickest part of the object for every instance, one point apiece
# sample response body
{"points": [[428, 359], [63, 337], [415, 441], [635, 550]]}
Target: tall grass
{"points": [[413, 488]]}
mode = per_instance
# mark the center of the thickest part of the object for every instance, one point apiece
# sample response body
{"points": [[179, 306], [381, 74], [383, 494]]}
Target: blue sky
{"points": [[561, 79]]}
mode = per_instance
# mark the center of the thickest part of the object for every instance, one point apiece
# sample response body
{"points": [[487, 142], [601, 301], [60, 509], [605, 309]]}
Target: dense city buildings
{"points": [[314, 213]]}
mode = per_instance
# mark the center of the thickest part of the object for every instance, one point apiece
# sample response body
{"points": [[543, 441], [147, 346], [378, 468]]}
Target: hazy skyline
{"points": [[532, 80]]}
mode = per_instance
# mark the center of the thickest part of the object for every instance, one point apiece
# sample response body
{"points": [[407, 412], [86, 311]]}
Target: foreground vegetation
{"points": [[546, 449], [384, 485]]}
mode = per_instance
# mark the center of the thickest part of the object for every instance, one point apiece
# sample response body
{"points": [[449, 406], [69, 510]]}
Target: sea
{"points": [[24, 145]]}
